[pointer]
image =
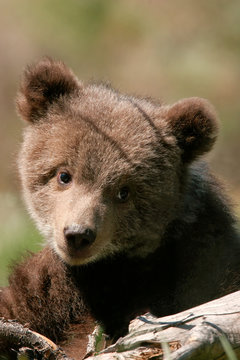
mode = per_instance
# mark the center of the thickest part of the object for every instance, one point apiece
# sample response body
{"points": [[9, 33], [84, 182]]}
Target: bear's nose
{"points": [[79, 237]]}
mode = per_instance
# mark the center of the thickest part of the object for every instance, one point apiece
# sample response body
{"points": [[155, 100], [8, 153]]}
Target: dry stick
{"points": [[16, 336]]}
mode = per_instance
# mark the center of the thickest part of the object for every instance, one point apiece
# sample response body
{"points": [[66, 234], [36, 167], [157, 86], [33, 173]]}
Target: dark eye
{"points": [[123, 194], [64, 178]]}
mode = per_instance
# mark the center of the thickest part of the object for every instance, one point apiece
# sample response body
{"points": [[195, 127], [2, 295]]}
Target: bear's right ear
{"points": [[43, 84]]}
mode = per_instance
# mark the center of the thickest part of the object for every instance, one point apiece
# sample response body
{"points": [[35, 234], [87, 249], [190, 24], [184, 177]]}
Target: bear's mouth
{"points": [[79, 250], [75, 255]]}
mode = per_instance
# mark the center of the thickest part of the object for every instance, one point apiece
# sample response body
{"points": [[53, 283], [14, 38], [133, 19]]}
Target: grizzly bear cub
{"points": [[133, 220]]}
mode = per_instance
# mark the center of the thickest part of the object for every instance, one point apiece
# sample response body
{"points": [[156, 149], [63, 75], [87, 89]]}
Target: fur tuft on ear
{"points": [[43, 84], [194, 123]]}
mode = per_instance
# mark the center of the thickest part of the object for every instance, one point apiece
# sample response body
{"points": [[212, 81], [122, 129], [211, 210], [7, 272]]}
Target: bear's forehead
{"points": [[100, 133]]}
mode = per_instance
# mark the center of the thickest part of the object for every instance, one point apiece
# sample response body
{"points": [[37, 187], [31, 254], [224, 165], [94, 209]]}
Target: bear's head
{"points": [[103, 172]]}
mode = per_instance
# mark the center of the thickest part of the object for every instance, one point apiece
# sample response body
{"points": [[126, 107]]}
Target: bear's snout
{"points": [[78, 237]]}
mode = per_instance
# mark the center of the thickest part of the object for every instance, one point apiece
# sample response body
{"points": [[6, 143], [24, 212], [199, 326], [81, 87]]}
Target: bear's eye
{"points": [[123, 194], [64, 178]]}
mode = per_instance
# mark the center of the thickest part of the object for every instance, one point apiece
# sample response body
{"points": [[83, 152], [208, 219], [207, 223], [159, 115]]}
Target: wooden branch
{"points": [[191, 334], [26, 342]]}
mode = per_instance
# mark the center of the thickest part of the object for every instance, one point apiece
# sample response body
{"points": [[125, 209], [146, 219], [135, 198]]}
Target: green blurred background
{"points": [[165, 49]]}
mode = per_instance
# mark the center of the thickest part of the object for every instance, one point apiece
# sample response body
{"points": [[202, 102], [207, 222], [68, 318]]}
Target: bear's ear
{"points": [[193, 122], [43, 84]]}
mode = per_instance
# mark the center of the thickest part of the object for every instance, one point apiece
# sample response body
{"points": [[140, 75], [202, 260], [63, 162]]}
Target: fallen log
{"points": [[207, 332], [199, 333]]}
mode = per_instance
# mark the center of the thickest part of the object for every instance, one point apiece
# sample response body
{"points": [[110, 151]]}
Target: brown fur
{"points": [[54, 298], [174, 227]]}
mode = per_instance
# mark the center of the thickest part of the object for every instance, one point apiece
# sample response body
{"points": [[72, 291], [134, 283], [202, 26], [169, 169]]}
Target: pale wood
{"points": [[191, 334]]}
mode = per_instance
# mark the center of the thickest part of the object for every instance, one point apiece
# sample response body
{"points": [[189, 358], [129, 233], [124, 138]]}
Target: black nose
{"points": [[79, 237]]}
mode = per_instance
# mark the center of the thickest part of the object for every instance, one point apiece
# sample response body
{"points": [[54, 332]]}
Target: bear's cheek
{"points": [[40, 202]]}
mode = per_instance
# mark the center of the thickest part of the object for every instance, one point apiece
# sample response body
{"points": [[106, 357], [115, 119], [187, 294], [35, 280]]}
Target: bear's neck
{"points": [[204, 208]]}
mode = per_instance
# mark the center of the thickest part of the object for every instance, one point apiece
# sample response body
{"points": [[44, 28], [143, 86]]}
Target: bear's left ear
{"points": [[43, 84], [193, 122]]}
